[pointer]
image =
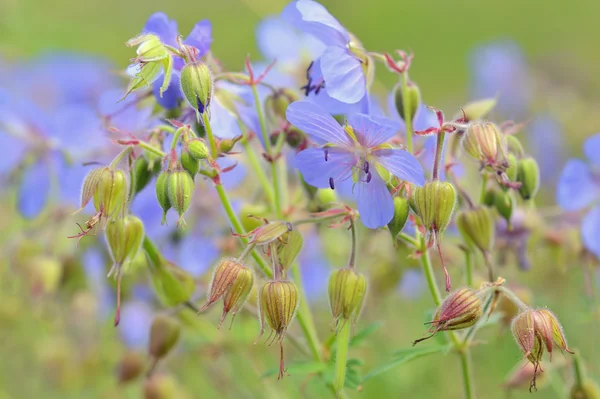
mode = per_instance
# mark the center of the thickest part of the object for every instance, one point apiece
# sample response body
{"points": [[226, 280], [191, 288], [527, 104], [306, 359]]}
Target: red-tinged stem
{"points": [[438, 154]]}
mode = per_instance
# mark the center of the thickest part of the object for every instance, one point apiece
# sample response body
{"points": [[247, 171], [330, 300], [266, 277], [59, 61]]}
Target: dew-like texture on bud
{"points": [[111, 193], [189, 163], [401, 208], [269, 232], [197, 149], [180, 188], [347, 291], [278, 303], [411, 102], [197, 85], [477, 228], [478, 109], [587, 390], [484, 142], [130, 367], [124, 237], [528, 175], [434, 203], [164, 334], [162, 193]]}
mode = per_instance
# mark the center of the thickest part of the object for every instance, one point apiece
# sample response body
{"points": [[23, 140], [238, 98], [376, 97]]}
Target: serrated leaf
{"points": [[364, 333], [288, 252], [404, 356], [298, 369]]}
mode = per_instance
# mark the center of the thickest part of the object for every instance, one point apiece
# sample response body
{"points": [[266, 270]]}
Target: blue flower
{"points": [[340, 72], [547, 135], [579, 187], [355, 151]]}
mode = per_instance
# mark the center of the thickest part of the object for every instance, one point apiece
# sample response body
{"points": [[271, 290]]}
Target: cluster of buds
{"points": [[347, 291], [153, 57], [174, 189]]}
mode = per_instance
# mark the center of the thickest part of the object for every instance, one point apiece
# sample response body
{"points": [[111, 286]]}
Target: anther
{"points": [[369, 176], [366, 167], [331, 183], [326, 155]]}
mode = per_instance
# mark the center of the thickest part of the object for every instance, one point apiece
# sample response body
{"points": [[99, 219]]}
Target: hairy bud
{"points": [[434, 203], [110, 194], [197, 149], [401, 208], [124, 237], [152, 59], [528, 175], [485, 143], [461, 309], [477, 228], [164, 334], [162, 194], [197, 85], [411, 103], [188, 162], [347, 291], [180, 188]]}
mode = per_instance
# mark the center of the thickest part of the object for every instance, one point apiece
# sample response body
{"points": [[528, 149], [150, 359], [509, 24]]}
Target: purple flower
{"points": [[340, 72], [579, 187], [355, 151], [547, 135]]}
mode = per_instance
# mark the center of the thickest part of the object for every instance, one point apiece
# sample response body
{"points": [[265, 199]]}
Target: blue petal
{"points": [[545, 131], [79, 130], [317, 123], [278, 40], [11, 151], [196, 254], [372, 131], [125, 115], [311, 17], [576, 186], [200, 37], [375, 203], [170, 98], [317, 172], [160, 24], [34, 189], [590, 231], [591, 149], [401, 164], [223, 123], [343, 74], [134, 327]]}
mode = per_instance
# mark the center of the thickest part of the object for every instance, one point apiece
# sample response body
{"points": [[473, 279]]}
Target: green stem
{"points": [[484, 180], [317, 219], [353, 247], [305, 317], [512, 297], [211, 138], [409, 239], [156, 258], [176, 137], [407, 115], [438, 154], [259, 171], [429, 276], [120, 156], [341, 353], [151, 149], [579, 370], [466, 367], [276, 189], [469, 268]]}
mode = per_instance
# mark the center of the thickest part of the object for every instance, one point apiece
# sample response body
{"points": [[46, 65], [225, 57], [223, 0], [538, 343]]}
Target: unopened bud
{"points": [[276, 104], [278, 303], [197, 85], [172, 284], [347, 291], [226, 145], [130, 367], [412, 101], [150, 48], [478, 109], [326, 196], [180, 188], [484, 142], [477, 228], [111, 192], [434, 203], [504, 204], [529, 176], [401, 208], [461, 309], [512, 169], [587, 390], [513, 145], [164, 334], [267, 233], [188, 162], [197, 149], [90, 184], [142, 174], [124, 237], [162, 193]]}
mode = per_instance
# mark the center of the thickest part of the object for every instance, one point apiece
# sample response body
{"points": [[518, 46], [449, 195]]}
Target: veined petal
{"points": [[166, 29], [591, 148], [590, 231], [317, 123], [401, 164], [311, 17], [372, 131], [318, 172], [576, 186], [200, 37], [278, 40], [375, 203], [343, 74]]}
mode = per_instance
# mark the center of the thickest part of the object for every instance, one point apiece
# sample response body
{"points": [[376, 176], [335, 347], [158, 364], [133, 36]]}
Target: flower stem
{"points": [[407, 116], [579, 370], [211, 138], [175, 138], [341, 353], [438, 154], [120, 156], [466, 367], [151, 149], [353, 245], [511, 296]]}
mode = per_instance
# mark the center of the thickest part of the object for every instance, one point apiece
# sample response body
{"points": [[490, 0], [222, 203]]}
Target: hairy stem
{"points": [[211, 138], [341, 353], [466, 367], [438, 154], [407, 116]]}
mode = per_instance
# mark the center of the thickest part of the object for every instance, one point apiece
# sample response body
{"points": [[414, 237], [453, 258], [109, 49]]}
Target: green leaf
{"points": [[300, 368], [404, 356], [288, 252], [364, 333], [168, 71]]}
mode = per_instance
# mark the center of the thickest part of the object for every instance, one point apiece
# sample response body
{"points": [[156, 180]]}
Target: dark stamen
{"points": [[331, 183], [326, 155], [309, 86], [366, 167], [369, 176]]}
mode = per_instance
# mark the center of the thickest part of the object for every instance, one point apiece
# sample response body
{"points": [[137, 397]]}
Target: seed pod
{"points": [[180, 188], [434, 203], [142, 174], [188, 162], [412, 100], [478, 109], [529, 176], [347, 291], [124, 237], [278, 303], [226, 145], [235, 298], [162, 194], [130, 367], [504, 204], [111, 193], [588, 390], [164, 334], [461, 309], [477, 228], [485, 143], [269, 232], [197, 149], [397, 223], [172, 284], [197, 85]]}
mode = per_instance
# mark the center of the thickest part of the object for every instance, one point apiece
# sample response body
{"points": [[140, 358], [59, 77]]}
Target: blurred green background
{"points": [[54, 350]]}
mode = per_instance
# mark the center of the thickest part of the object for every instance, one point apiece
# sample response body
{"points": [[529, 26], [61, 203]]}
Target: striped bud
{"points": [[461, 309], [124, 237], [347, 291], [434, 203], [278, 303], [162, 194], [197, 149], [528, 175], [477, 228], [110, 194], [164, 334], [401, 208], [188, 162], [485, 143], [411, 103], [180, 188], [90, 183], [233, 282], [197, 85]]}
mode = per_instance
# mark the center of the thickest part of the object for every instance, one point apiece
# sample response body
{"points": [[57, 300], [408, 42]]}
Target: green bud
{"points": [[110, 194], [528, 175], [489, 197], [485, 143], [197, 85], [276, 105], [164, 334], [130, 367], [401, 208], [478, 109], [233, 282], [251, 216], [477, 228], [512, 169], [180, 188], [162, 194], [197, 149], [347, 291], [124, 237], [278, 303], [326, 196], [150, 48], [160, 386], [267, 233], [172, 284], [226, 145], [90, 183], [142, 174], [513, 145], [504, 204], [434, 203], [144, 78], [413, 100], [288, 247], [588, 390], [189, 163]]}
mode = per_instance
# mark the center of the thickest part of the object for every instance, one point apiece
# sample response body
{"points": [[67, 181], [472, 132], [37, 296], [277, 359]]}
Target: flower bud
{"points": [[278, 303], [142, 174], [528, 175], [513, 145], [347, 291], [188, 162], [164, 334], [504, 204], [226, 145], [232, 281], [162, 194], [484, 142], [478, 109], [267, 233], [477, 228], [180, 188], [130, 367], [172, 284], [90, 184], [197, 149], [326, 196], [397, 223], [588, 390], [512, 169], [111, 192], [461, 309], [150, 48], [161, 387], [412, 100], [197, 85], [124, 237], [434, 203], [276, 104]]}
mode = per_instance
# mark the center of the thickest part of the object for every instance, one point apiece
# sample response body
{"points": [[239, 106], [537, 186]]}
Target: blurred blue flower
{"points": [[546, 136], [314, 266], [499, 69], [134, 327], [412, 284], [353, 152], [579, 188]]}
